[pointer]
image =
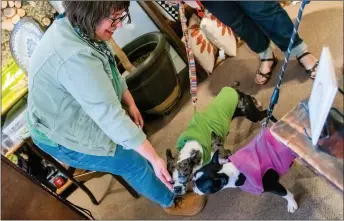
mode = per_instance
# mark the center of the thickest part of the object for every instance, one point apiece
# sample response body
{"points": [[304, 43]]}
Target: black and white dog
{"points": [[252, 174], [190, 157]]}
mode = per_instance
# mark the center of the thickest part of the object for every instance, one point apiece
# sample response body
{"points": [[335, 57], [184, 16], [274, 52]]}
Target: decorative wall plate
{"points": [[24, 39]]}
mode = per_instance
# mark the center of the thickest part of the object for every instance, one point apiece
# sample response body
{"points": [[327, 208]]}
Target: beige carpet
{"points": [[322, 25]]}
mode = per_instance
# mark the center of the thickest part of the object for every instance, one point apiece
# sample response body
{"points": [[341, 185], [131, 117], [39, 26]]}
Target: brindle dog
{"points": [[182, 167]]}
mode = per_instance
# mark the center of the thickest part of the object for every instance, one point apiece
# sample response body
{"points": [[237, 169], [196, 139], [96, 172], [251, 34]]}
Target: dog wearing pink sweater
{"points": [[255, 168]]}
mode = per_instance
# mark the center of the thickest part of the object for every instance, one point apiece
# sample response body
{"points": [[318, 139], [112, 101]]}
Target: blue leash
{"points": [[275, 95]]}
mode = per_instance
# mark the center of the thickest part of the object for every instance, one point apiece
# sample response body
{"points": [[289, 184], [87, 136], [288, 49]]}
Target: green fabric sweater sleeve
{"points": [[216, 118]]}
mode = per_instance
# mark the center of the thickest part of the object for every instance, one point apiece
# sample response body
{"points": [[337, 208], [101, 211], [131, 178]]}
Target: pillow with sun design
{"points": [[219, 34], [204, 51]]}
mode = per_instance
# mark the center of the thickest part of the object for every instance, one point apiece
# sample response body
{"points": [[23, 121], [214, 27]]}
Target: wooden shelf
{"points": [[60, 190], [14, 149], [77, 172]]}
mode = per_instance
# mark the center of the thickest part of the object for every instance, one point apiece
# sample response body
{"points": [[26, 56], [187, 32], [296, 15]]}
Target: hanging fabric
{"points": [[190, 55], [200, 9]]}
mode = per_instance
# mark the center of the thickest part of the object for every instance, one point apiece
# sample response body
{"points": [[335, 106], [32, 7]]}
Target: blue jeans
{"points": [[135, 169], [256, 22]]}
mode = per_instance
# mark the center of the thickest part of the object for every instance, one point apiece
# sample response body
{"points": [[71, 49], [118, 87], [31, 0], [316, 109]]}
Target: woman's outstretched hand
{"points": [[159, 165], [160, 169]]}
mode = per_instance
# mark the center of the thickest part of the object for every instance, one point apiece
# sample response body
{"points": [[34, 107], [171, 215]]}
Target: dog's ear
{"points": [[215, 158], [169, 156], [196, 157], [170, 161]]}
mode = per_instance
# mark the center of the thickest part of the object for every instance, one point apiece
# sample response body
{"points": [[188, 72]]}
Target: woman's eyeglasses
{"points": [[120, 19]]}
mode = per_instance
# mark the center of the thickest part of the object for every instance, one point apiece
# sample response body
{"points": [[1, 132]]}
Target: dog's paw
{"points": [[258, 104], [292, 206], [227, 153]]}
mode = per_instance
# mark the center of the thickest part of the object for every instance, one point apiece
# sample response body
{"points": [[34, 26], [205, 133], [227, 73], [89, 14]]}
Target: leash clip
{"points": [[194, 105]]}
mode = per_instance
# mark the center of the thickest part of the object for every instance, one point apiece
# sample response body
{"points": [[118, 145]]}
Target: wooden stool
{"points": [[76, 179]]}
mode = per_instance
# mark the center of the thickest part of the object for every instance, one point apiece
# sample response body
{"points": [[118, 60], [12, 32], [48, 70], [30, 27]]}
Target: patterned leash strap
{"points": [[275, 94], [191, 58]]}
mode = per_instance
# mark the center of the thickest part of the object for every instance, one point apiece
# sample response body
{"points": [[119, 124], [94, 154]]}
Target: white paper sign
{"points": [[323, 93]]}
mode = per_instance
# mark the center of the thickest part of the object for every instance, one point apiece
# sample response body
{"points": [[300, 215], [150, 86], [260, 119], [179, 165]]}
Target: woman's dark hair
{"points": [[88, 14]]}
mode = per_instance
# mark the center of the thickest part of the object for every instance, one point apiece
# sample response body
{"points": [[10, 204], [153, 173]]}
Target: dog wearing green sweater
{"points": [[206, 132]]}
